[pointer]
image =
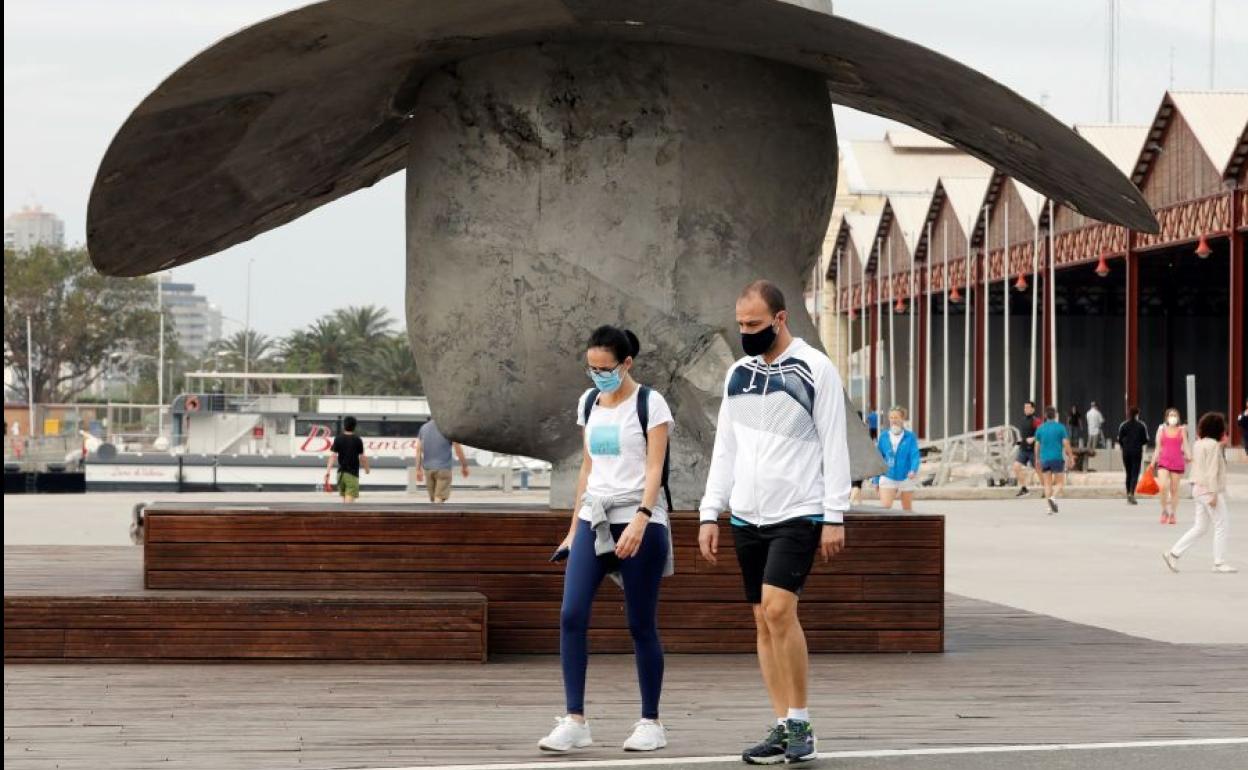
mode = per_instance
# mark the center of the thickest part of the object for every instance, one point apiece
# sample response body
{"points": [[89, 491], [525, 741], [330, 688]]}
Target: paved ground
{"points": [[103, 518], [1098, 562]]}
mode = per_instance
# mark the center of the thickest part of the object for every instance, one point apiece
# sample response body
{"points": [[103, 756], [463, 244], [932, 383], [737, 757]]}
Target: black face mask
{"points": [[759, 342]]}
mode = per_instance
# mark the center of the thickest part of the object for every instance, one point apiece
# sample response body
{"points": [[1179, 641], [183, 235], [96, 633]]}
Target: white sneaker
{"points": [[1172, 561], [1225, 569], [648, 735], [568, 734]]}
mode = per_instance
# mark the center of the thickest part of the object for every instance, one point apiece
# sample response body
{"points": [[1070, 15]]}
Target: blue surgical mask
{"points": [[608, 382]]}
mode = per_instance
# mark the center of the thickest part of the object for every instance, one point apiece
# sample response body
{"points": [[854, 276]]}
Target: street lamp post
{"points": [[30, 379], [160, 362], [247, 330]]}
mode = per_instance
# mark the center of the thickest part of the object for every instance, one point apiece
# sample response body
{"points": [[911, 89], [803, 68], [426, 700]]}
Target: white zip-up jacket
{"points": [[780, 447]]}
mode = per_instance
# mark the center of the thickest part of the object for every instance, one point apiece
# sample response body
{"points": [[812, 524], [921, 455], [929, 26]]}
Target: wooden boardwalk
{"points": [[1007, 677]]}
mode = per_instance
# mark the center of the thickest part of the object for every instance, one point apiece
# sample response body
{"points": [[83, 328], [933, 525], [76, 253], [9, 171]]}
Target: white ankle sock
{"points": [[802, 715]]}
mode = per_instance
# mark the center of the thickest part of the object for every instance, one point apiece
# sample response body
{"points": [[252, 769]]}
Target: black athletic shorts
{"points": [[780, 555]]}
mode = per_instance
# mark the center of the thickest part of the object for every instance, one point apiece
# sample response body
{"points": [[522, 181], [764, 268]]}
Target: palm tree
{"points": [[366, 324], [323, 346], [230, 352], [392, 369]]}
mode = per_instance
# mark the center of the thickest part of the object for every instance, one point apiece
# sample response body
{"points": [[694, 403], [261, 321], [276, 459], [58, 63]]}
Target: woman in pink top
{"points": [[1169, 462]]}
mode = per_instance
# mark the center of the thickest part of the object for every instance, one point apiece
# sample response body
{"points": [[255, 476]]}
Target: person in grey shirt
{"points": [[433, 457]]}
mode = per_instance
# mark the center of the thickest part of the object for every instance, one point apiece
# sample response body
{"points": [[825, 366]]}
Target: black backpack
{"points": [[643, 416]]}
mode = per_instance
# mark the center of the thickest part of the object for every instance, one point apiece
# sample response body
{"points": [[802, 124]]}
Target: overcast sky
{"points": [[73, 70]]}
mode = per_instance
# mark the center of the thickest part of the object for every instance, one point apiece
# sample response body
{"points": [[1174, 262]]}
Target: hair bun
{"points": [[634, 344]]}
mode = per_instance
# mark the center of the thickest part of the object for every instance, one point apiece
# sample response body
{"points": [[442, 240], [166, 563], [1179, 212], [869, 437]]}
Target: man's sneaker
{"points": [[1171, 561], [1052, 506], [1022, 492], [568, 734], [1225, 569], [770, 750], [801, 746], [648, 735]]}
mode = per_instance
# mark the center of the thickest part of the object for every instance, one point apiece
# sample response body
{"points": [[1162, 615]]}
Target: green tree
{"points": [[78, 319], [392, 369], [364, 324], [359, 343], [323, 346], [229, 353]]}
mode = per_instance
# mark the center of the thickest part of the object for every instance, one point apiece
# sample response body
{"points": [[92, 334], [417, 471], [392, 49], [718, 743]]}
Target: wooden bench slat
{"points": [[481, 557], [439, 529]]}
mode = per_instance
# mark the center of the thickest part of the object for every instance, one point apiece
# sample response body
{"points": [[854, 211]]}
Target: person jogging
{"points": [[899, 449], [1055, 455], [619, 528], [1132, 438], [780, 466], [348, 452], [1025, 457]]}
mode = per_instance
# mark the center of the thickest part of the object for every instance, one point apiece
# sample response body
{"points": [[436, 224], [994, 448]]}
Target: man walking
{"points": [[1055, 453], [348, 451], [433, 457], [780, 466], [1132, 438], [1025, 458], [1095, 421]]}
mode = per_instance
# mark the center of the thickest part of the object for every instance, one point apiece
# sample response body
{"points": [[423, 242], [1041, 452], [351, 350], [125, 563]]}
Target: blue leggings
{"points": [[642, 574]]}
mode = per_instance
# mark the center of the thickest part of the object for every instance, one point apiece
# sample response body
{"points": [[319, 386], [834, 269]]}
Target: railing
{"points": [[994, 448], [40, 452]]}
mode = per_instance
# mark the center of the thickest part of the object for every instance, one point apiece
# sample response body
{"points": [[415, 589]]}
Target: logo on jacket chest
{"points": [[791, 377]]}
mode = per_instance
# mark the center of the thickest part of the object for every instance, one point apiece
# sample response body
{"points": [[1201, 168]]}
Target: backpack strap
{"points": [[643, 416], [591, 400]]}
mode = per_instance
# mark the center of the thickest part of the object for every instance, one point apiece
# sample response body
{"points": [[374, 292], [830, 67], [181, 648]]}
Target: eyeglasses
{"points": [[592, 370]]}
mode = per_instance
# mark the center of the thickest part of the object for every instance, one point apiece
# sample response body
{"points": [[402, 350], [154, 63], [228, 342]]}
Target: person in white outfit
{"points": [[780, 467], [1209, 492], [1095, 421]]}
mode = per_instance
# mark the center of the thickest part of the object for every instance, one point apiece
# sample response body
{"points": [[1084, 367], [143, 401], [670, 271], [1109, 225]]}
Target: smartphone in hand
{"points": [[560, 554]]}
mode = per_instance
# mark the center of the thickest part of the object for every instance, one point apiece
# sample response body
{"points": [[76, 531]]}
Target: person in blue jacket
{"points": [[900, 449]]}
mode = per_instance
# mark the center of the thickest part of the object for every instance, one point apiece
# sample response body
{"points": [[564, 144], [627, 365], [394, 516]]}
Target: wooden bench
{"points": [[885, 593], [82, 614]]}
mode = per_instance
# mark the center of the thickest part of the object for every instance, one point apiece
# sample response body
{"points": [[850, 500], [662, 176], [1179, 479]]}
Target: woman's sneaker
{"points": [[648, 735], [770, 750], [801, 747], [1225, 569], [1171, 561], [568, 734]]}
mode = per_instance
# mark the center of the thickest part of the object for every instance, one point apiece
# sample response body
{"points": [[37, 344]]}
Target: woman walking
{"points": [[619, 529], [1169, 463], [900, 449], [1209, 493]]}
